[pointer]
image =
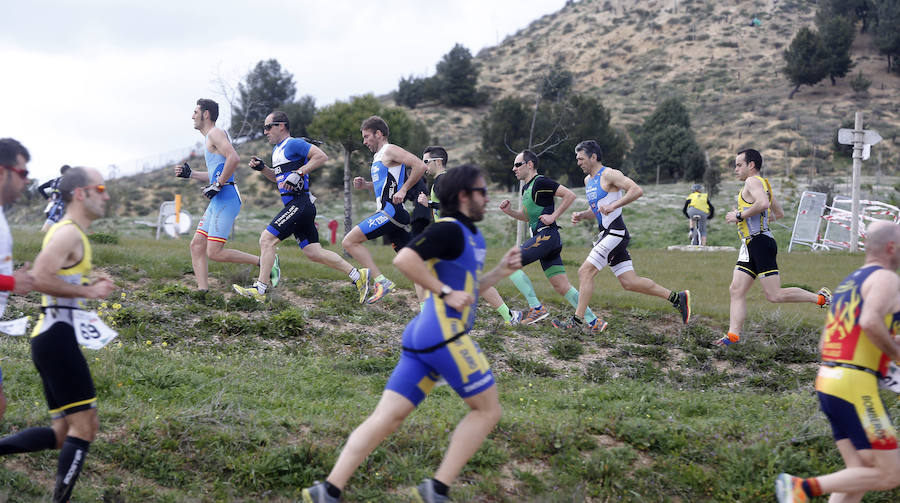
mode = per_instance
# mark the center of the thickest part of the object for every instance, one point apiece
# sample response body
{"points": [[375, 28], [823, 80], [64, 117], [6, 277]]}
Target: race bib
{"points": [[15, 327], [90, 331], [891, 379], [744, 254]]}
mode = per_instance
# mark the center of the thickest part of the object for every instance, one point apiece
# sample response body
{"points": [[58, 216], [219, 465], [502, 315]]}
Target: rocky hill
{"points": [[633, 54]]}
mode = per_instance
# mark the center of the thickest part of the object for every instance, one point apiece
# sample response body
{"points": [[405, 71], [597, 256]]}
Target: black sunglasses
{"points": [[483, 190], [433, 159], [267, 127], [518, 164]]}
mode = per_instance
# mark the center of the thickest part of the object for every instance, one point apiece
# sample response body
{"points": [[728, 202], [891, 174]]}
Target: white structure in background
{"points": [[839, 225], [809, 218], [167, 223]]}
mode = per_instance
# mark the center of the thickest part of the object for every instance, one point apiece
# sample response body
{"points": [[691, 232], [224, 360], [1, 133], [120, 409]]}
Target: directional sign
{"points": [[870, 136]]}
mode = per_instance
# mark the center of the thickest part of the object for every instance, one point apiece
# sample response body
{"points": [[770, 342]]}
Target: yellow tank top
{"points": [[756, 224], [74, 275], [699, 200]]}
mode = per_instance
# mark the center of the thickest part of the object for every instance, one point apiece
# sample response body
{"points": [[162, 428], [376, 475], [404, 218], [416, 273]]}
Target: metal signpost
{"points": [[862, 140]]}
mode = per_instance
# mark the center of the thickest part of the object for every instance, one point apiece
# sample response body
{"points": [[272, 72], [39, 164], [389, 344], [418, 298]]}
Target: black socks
{"points": [[28, 440], [71, 460]]}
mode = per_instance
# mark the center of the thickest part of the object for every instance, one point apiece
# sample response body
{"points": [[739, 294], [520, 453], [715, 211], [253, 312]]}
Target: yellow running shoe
{"points": [[362, 284], [250, 291]]}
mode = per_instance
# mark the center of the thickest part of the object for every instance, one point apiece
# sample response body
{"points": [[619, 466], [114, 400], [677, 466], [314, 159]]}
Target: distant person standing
{"points": [[435, 158], [292, 161], [390, 184], [540, 212], [61, 272], [13, 180], [225, 200], [608, 190], [698, 205], [55, 206], [756, 258], [858, 342]]}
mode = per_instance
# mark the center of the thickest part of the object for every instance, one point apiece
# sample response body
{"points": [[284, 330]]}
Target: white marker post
{"points": [[862, 141]]}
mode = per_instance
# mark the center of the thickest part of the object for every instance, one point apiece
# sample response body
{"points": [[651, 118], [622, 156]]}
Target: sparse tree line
{"points": [[551, 122], [815, 54]]}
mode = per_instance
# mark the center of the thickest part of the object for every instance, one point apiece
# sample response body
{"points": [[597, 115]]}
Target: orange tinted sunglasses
{"points": [[99, 188]]}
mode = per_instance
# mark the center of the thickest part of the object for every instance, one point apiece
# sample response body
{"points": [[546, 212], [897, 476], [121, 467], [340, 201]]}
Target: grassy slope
{"points": [[219, 399]]}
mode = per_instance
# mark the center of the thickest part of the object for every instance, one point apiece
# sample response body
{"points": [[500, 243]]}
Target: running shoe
{"points": [[275, 273], [425, 493], [362, 284], [380, 289], [515, 318], [250, 291], [727, 340], [684, 305], [789, 489], [318, 494], [565, 323], [598, 326], [825, 292], [535, 315]]}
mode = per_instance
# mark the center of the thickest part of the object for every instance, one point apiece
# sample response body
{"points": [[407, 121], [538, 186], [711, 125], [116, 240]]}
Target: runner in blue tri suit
{"points": [[447, 260], [225, 200], [608, 190], [390, 184], [292, 161]]}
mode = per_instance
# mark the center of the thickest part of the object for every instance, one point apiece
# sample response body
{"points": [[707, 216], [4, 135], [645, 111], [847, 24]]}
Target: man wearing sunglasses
{"points": [[390, 184], [61, 272], [292, 161], [447, 260], [225, 200], [607, 191], [13, 179], [435, 158], [539, 209]]}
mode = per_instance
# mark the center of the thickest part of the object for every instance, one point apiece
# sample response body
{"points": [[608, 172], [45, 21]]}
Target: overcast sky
{"points": [[100, 82]]}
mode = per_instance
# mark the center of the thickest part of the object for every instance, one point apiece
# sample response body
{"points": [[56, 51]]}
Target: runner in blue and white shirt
{"points": [[292, 161]]}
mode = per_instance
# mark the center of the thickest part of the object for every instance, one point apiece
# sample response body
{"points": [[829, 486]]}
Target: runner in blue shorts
{"points": [[225, 200], [446, 260], [390, 184], [292, 161]]}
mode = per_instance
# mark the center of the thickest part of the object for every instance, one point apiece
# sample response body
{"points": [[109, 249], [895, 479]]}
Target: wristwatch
{"points": [[218, 185], [445, 290], [738, 217]]}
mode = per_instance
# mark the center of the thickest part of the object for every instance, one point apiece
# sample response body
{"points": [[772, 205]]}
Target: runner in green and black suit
{"points": [[540, 211]]}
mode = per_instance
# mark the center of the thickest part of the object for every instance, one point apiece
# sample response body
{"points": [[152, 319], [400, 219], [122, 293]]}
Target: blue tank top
{"points": [[460, 273], [215, 163], [386, 180], [597, 197]]}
